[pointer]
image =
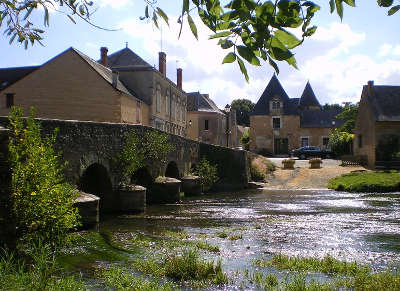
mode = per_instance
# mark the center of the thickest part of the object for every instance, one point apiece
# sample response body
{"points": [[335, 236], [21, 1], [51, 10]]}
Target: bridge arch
{"points": [[96, 180], [172, 170]]}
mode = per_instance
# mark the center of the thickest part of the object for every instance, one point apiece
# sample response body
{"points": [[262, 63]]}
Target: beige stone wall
{"points": [[262, 134], [365, 126], [134, 111], [66, 88], [216, 133]]}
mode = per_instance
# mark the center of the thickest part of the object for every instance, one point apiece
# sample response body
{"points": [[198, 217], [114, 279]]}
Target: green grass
{"points": [[367, 182], [176, 234], [222, 234], [206, 246], [327, 265], [186, 266], [119, 278], [235, 237]]}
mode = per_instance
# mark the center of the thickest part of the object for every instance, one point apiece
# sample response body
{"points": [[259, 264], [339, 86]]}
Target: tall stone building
{"points": [[279, 124], [166, 100]]}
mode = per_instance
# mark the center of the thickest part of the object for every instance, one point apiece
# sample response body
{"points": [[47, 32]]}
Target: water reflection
{"points": [[361, 227]]}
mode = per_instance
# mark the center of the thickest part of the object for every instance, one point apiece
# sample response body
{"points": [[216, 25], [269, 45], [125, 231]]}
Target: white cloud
{"points": [[385, 49], [113, 3], [396, 50]]}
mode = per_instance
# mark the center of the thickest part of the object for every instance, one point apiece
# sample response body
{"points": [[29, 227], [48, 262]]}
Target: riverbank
{"points": [[301, 177]]}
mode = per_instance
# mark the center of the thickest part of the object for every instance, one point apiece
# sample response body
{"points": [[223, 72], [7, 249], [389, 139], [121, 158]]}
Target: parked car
{"points": [[311, 152]]}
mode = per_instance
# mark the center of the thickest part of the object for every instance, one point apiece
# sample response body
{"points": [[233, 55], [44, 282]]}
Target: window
{"points": [[360, 141], [9, 100], [325, 141], [304, 141], [158, 99], [138, 112], [173, 111], [206, 124], [276, 105], [167, 104], [276, 122]]}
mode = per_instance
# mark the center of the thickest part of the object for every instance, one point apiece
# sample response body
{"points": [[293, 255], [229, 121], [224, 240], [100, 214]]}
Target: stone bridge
{"points": [[89, 149]]}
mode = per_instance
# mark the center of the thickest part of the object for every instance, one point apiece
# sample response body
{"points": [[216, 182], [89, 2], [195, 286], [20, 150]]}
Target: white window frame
{"points": [[280, 122]]}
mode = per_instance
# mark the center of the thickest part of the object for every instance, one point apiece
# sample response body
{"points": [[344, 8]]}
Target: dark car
{"points": [[311, 152]]}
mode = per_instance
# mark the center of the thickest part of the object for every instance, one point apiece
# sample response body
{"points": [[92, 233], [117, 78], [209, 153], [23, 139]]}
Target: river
{"points": [[261, 223]]}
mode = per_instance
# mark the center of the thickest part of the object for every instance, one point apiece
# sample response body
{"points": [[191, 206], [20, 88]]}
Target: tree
{"points": [[341, 139], [245, 140], [332, 106], [251, 30], [243, 108], [42, 200]]}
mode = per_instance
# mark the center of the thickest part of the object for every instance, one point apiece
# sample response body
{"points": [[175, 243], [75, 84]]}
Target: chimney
{"points": [[115, 75], [103, 56], [370, 88], [162, 66], [179, 78]]}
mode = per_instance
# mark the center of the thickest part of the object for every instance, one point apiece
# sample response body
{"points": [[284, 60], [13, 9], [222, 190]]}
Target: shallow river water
{"points": [[360, 227]]}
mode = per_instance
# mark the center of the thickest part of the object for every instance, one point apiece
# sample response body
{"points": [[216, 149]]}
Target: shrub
{"points": [[260, 167], [340, 142], [288, 163], [42, 200], [207, 173], [245, 140], [388, 148]]}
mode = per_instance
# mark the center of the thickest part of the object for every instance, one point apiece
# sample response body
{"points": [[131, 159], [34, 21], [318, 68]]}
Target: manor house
{"points": [[279, 124]]}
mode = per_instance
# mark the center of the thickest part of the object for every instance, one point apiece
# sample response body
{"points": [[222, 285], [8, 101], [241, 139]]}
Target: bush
{"points": [[260, 167], [340, 142], [42, 200], [207, 173], [245, 140], [388, 148]]}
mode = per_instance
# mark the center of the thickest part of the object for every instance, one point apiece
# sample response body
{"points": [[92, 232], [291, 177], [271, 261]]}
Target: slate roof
{"points": [[308, 97], [8, 76], [104, 72], [273, 89], [385, 102], [126, 57], [200, 102], [320, 118]]}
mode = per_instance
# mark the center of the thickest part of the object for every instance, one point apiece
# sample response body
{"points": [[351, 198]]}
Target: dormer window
{"points": [[276, 105]]}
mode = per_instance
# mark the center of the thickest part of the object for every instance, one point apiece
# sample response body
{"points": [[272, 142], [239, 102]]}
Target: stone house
{"points": [[166, 100], [71, 86], [207, 123], [279, 124], [378, 119]]}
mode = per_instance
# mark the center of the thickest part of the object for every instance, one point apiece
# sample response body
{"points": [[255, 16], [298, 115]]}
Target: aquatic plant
{"points": [[222, 234], [235, 237], [327, 265]]}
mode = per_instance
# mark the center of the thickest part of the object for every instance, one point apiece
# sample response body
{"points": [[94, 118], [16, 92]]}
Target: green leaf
{"points": [[287, 38], [393, 10], [243, 69], [185, 6], [162, 14], [225, 43], [385, 3], [192, 26], [274, 65], [155, 19], [310, 31], [350, 3], [221, 34], [339, 8], [229, 58], [146, 11], [248, 55], [278, 51], [332, 5]]}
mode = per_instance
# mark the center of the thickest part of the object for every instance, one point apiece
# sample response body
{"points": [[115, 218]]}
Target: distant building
{"points": [[207, 123], [378, 120], [71, 86], [279, 124]]}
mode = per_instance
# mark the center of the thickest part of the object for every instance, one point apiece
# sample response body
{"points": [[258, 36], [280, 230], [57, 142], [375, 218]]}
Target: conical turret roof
{"points": [[308, 97]]}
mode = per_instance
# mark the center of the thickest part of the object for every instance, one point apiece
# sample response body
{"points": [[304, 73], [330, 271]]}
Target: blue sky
{"points": [[338, 60]]}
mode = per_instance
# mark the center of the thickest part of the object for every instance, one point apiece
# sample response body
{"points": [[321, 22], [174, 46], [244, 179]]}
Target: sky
{"points": [[337, 60]]}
